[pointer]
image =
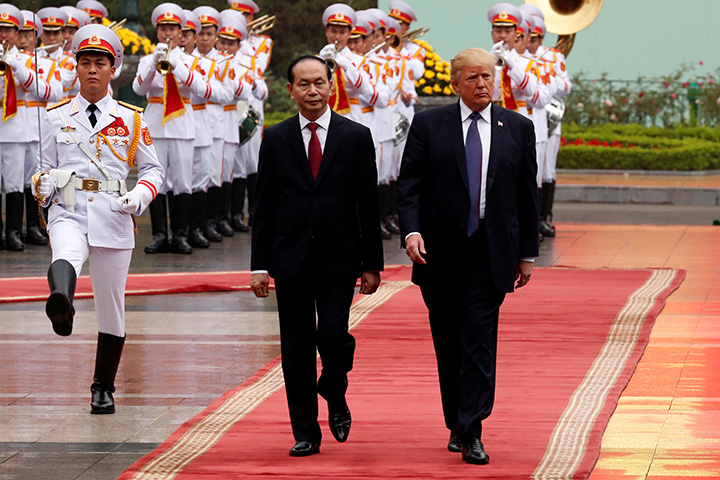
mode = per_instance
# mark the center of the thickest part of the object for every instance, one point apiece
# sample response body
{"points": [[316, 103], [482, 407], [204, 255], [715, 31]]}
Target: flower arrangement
{"points": [[436, 79], [134, 43]]}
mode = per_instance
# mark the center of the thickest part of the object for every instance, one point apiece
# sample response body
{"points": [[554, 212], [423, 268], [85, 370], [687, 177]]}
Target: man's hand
{"points": [[259, 282], [369, 282], [159, 52], [415, 248], [130, 202], [327, 51], [406, 97], [46, 186], [525, 269]]}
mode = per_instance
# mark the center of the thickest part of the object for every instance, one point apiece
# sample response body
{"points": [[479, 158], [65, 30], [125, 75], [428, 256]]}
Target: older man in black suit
{"points": [[467, 200], [315, 231]]}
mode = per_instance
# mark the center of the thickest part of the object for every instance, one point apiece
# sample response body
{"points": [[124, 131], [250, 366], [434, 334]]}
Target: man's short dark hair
{"points": [[291, 74]]}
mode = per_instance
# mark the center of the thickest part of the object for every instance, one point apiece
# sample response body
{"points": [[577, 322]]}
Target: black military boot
{"points": [[223, 221], [212, 207], [196, 238], [13, 221], [180, 220], [35, 234], [237, 205], [392, 206], [251, 183], [107, 360], [59, 306], [546, 228], [551, 201], [158, 220], [386, 209]]}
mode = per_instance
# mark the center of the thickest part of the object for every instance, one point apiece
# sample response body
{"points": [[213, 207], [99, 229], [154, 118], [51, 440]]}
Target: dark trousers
{"points": [[463, 305], [314, 313]]}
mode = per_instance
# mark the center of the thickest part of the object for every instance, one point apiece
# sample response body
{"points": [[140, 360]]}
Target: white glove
{"points": [[327, 51], [498, 49], [511, 57], [46, 188], [13, 61], [130, 202], [175, 57], [159, 52], [343, 62]]}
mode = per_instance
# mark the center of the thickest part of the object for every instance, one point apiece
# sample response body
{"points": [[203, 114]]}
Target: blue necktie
{"points": [[473, 159]]}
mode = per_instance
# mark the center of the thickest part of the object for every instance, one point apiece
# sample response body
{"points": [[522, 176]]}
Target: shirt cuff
{"points": [[528, 259], [253, 272], [410, 234]]}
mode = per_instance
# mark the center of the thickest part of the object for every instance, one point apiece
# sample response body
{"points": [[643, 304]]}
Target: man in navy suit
{"points": [[316, 230], [467, 200]]}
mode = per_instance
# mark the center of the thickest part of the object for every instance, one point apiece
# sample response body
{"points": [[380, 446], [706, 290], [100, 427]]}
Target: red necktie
{"points": [[314, 150]]}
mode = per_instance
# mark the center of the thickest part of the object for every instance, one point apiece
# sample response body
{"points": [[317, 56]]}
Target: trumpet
{"points": [[415, 34], [48, 47], [117, 25], [331, 63], [261, 25], [4, 67], [501, 60], [164, 66]]}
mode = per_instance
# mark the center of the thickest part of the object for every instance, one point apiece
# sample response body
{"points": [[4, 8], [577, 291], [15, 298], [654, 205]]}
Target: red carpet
{"points": [[569, 343]]}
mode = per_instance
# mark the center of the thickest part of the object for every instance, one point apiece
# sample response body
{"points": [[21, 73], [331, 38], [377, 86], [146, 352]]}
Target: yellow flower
{"points": [[429, 74], [421, 81], [436, 88], [427, 90], [447, 91], [429, 63]]}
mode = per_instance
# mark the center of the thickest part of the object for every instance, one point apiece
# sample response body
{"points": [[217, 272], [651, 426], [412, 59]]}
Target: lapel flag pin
{"points": [[500, 124]]}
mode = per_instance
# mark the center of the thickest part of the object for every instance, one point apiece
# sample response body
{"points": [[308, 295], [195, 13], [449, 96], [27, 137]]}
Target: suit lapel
{"points": [[332, 143], [295, 140], [497, 135], [454, 126], [108, 116], [80, 116]]}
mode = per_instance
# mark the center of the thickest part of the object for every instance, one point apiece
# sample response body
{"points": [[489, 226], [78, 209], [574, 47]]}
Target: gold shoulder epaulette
{"points": [[131, 106], [58, 104]]}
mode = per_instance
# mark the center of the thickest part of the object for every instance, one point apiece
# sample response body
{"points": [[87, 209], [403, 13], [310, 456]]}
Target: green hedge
{"points": [[682, 148]]}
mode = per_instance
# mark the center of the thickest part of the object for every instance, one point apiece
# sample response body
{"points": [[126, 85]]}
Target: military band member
{"points": [[171, 123], [76, 18], [349, 82], [555, 61], [231, 36], [89, 144], [53, 21], [94, 9], [47, 91], [206, 39]]}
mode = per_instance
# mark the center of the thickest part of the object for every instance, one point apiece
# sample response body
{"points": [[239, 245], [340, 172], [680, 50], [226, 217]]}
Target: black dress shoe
{"points": [[180, 245], [340, 424], [13, 242], [211, 233], [238, 224], [384, 233], [102, 401], [304, 448], [160, 244], [60, 310], [223, 226], [196, 239], [455, 443], [35, 236], [390, 226], [474, 452], [546, 228]]}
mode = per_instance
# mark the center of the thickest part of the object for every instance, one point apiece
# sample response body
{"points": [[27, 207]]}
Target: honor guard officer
{"points": [[89, 145], [49, 90], [95, 9], [167, 80], [513, 80], [206, 39], [53, 21], [556, 63], [232, 33], [248, 153], [76, 18], [349, 83], [14, 78]]}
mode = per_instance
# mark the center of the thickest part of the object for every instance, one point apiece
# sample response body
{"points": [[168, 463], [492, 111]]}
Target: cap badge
{"points": [[230, 29], [503, 15], [52, 19], [94, 40], [168, 15], [235, 5], [4, 15], [396, 12], [203, 18]]}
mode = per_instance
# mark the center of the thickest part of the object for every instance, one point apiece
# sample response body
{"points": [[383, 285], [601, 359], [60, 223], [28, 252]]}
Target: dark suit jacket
{"points": [[337, 214], [433, 196]]}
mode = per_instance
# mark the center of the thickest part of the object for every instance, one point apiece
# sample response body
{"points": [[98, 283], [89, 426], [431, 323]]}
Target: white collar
{"points": [[465, 112], [323, 121], [100, 104]]}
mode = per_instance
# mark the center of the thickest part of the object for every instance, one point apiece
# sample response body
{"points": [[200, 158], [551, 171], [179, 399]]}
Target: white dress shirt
{"points": [[100, 104], [323, 125], [483, 126]]}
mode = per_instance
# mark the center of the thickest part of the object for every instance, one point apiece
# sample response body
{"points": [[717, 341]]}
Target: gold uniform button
{"points": [[57, 201], [90, 199], [92, 141]]}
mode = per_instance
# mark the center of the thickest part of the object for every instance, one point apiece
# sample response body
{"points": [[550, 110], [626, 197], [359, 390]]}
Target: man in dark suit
{"points": [[467, 200], [315, 231]]}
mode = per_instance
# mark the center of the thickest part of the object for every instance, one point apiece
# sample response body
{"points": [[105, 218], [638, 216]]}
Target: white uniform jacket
{"points": [[49, 88], [120, 127], [67, 66], [221, 93]]}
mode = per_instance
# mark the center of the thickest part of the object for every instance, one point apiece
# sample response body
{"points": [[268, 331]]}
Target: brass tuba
{"points": [[567, 17]]}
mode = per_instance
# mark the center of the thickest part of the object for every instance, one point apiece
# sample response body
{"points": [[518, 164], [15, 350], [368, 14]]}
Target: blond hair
{"points": [[471, 57]]}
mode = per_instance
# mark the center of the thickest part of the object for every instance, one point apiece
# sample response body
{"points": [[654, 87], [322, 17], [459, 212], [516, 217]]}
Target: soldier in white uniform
{"points": [[349, 82], [171, 122], [13, 133], [555, 62], [89, 145], [47, 91], [206, 39], [94, 9], [76, 18], [53, 21]]}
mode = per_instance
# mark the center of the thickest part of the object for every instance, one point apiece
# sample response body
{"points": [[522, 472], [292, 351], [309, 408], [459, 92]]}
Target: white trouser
{"points": [[229, 171], [551, 153], [12, 166], [201, 168], [541, 153], [215, 172], [176, 157], [397, 159], [384, 161], [108, 273], [31, 161], [251, 152]]}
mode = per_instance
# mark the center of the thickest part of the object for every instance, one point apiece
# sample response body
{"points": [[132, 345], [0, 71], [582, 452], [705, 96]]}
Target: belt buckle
{"points": [[91, 185]]}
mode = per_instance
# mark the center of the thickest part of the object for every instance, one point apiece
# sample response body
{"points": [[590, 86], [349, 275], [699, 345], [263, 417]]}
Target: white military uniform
{"points": [[563, 88], [95, 228], [13, 129], [67, 67], [240, 75], [383, 125]]}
